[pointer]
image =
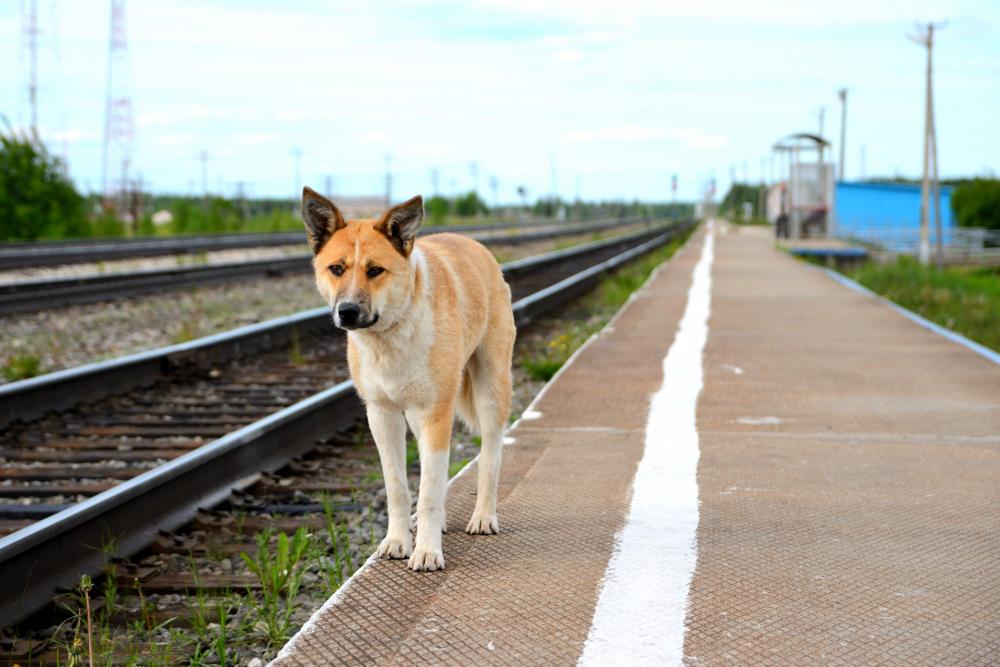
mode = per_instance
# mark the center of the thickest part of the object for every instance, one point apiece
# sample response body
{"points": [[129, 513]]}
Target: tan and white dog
{"points": [[430, 334]]}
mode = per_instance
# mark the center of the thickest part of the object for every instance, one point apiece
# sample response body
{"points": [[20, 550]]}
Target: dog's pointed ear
{"points": [[321, 218], [401, 223]]}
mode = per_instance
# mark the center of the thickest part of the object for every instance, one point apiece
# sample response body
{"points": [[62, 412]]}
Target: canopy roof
{"points": [[793, 141]]}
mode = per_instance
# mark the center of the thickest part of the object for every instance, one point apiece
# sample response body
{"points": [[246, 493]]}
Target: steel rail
{"points": [[54, 552], [30, 398], [53, 253], [43, 294]]}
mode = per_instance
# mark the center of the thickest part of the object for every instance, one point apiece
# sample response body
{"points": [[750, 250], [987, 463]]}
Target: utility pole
{"points": [[328, 185], [203, 156], [822, 117], [842, 94], [388, 180], [494, 186], [673, 196], [241, 200], [925, 37], [554, 182], [297, 188], [762, 195], [936, 194]]}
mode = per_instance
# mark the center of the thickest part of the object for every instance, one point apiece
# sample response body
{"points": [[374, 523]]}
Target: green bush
{"points": [[37, 199], [976, 203], [437, 208], [470, 205]]}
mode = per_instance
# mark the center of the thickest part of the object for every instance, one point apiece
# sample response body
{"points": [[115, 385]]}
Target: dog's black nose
{"points": [[348, 314]]}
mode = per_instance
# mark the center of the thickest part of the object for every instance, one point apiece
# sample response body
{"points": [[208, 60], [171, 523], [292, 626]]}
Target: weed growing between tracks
{"points": [[21, 366], [280, 576]]}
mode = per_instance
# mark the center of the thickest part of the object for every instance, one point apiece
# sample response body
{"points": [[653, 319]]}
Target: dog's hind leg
{"points": [[491, 391], [388, 426]]}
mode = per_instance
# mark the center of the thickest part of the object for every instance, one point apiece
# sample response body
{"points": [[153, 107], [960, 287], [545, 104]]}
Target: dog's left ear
{"points": [[401, 223]]}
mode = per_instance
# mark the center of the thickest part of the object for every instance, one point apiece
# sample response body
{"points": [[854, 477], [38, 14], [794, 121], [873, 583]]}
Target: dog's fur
{"points": [[429, 336]]}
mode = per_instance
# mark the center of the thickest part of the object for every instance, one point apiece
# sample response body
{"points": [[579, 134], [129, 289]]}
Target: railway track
{"points": [[168, 433], [54, 253], [43, 294]]}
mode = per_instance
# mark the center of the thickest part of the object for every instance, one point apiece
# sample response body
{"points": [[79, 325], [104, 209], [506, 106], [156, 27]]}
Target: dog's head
{"points": [[363, 267]]}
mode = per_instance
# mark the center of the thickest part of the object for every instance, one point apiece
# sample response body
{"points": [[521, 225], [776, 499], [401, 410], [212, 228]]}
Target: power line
{"points": [[388, 181], [297, 189]]}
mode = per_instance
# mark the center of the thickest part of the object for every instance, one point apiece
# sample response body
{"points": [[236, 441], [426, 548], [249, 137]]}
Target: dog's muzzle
{"points": [[350, 316]]}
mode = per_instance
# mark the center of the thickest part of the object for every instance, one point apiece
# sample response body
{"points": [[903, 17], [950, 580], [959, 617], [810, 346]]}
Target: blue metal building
{"points": [[887, 214]]}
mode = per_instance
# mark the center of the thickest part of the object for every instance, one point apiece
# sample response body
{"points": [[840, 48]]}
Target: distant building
{"points": [[360, 206], [162, 217], [887, 214]]}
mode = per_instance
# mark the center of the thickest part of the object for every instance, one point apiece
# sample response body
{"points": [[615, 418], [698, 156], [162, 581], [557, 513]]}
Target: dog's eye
{"points": [[375, 271], [337, 269]]}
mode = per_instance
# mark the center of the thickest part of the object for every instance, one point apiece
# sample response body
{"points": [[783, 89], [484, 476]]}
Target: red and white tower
{"points": [[118, 127]]}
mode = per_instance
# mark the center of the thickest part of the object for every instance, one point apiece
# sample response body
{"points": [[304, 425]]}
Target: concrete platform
{"points": [[752, 465]]}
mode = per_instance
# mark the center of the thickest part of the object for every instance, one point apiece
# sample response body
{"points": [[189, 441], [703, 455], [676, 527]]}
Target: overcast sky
{"points": [[621, 93]]}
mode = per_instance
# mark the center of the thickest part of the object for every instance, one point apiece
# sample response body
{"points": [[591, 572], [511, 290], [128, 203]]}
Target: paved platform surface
{"points": [[837, 503]]}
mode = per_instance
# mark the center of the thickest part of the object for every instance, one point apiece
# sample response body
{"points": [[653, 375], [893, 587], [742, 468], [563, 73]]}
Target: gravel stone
{"points": [[76, 335]]}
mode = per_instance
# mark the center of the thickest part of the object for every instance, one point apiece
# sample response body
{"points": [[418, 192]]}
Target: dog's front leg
{"points": [[435, 444], [388, 426]]}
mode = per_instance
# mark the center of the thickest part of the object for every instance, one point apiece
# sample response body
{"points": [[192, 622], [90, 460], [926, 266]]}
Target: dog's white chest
{"points": [[398, 373]]}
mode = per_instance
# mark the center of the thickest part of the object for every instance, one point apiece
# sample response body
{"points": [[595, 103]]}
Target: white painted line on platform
{"points": [[639, 618], [761, 421]]}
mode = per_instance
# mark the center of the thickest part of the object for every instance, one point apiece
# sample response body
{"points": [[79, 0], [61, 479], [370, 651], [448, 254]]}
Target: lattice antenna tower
{"points": [[118, 128], [29, 57]]}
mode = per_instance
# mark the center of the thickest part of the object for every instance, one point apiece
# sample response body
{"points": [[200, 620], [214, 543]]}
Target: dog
{"points": [[430, 334]]}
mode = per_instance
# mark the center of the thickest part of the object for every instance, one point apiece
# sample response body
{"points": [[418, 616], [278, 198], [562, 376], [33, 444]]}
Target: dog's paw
{"points": [[426, 560], [395, 548], [483, 524]]}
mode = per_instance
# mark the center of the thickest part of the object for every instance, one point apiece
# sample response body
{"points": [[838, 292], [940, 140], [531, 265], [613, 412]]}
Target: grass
{"points": [[281, 574], [455, 467], [609, 296], [752, 222], [965, 300], [21, 366]]}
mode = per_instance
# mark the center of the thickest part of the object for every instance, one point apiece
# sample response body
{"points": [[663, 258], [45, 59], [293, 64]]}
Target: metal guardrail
{"points": [[53, 552]]}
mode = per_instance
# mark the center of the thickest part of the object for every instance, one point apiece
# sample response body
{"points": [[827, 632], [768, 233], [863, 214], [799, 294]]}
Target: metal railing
{"points": [[960, 244]]}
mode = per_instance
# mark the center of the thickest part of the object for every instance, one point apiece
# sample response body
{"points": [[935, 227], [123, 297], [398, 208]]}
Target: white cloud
{"points": [[373, 137], [771, 13], [256, 138], [690, 138], [72, 135]]}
